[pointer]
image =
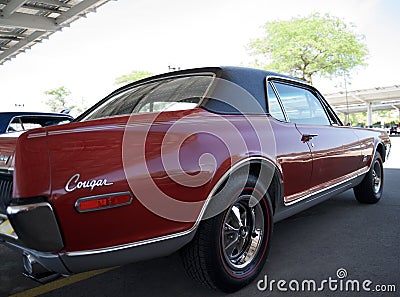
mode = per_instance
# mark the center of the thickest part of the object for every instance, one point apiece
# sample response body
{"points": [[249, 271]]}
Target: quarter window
{"points": [[274, 108], [301, 106]]}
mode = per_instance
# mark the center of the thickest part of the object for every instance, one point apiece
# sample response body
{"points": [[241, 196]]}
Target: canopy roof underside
{"points": [[24, 23]]}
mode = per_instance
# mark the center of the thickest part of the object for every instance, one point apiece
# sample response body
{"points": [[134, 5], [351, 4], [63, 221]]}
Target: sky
{"points": [[126, 35]]}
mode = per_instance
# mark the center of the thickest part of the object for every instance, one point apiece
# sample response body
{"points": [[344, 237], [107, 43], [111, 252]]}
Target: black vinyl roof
{"points": [[236, 90]]}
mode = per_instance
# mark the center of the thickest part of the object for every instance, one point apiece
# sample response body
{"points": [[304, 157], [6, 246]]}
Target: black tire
{"points": [[219, 256], [370, 190]]}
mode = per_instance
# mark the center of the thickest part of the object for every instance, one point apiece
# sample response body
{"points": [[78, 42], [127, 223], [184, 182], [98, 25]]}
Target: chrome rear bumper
{"points": [[38, 234], [33, 233]]}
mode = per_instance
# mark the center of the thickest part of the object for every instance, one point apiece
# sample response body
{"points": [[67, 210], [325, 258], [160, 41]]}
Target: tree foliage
{"points": [[379, 116], [309, 46], [133, 76], [58, 99]]}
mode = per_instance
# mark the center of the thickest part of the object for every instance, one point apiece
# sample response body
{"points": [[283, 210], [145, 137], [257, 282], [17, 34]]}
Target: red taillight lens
{"points": [[93, 204], [103, 202]]}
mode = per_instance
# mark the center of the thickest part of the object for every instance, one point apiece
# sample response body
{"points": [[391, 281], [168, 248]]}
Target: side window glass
{"points": [[301, 106], [274, 108]]}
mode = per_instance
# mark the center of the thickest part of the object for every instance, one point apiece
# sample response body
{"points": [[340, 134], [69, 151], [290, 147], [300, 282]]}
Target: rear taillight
{"points": [[100, 202]]}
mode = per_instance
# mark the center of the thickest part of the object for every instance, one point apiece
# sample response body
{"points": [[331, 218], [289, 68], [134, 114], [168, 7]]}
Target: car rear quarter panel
{"points": [[32, 175], [94, 151], [177, 148], [370, 139]]}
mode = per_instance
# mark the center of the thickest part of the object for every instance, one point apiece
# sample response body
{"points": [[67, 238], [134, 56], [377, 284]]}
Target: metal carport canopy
{"points": [[25, 22], [381, 98]]}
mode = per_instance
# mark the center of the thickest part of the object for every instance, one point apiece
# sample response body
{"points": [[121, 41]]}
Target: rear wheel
{"points": [[370, 189], [230, 249]]}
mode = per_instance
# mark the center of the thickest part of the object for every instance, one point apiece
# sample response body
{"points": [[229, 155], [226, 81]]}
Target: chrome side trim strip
{"points": [[287, 211], [174, 235], [128, 245], [122, 126], [36, 135], [87, 129], [347, 179], [211, 194]]}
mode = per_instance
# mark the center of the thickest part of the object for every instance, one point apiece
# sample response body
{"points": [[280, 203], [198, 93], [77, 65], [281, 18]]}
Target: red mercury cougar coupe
{"points": [[204, 161]]}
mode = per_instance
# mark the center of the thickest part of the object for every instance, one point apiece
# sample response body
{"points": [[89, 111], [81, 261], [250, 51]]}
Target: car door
{"points": [[292, 156], [335, 150]]}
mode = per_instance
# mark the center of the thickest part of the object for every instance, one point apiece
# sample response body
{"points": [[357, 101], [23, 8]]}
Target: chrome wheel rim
{"points": [[242, 232], [377, 177]]}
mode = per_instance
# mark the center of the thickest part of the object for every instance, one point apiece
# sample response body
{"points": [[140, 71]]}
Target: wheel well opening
{"points": [[381, 151], [255, 169], [274, 187]]}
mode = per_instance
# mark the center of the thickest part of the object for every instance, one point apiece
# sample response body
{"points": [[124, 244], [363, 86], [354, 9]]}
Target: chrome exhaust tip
{"points": [[31, 266], [34, 270]]}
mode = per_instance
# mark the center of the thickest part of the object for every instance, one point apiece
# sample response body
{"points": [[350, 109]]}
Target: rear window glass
{"points": [[178, 93], [24, 123], [16, 126]]}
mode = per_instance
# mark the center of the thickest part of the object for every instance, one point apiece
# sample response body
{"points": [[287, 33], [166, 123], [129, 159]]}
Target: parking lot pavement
{"points": [[338, 235]]}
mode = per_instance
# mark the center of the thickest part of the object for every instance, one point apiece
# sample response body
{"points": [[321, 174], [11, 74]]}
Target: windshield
{"points": [[176, 93]]}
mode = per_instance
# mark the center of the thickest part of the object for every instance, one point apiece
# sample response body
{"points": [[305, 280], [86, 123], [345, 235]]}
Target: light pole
{"points": [[347, 99]]}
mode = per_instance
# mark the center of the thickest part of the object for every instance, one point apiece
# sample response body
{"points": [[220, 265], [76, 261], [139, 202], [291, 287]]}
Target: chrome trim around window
{"points": [[270, 83], [290, 80]]}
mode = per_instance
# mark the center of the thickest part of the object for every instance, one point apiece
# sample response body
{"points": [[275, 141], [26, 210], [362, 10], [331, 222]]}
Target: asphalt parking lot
{"points": [[337, 236]]}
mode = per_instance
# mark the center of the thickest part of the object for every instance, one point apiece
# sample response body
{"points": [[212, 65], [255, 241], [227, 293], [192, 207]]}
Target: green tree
{"points": [[380, 116], [58, 99], [133, 76], [356, 119], [309, 46]]}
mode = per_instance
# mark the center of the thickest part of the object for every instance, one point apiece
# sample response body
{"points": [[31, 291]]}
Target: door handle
{"points": [[308, 137]]}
